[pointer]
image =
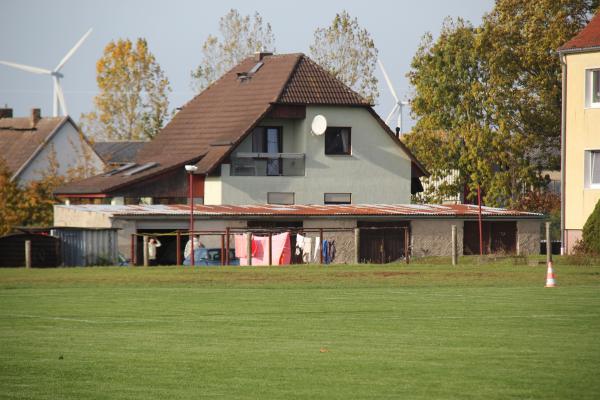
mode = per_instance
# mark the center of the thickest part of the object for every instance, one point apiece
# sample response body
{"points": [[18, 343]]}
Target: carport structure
{"points": [[382, 226]]}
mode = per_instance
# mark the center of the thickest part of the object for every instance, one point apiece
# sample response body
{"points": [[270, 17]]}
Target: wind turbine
{"points": [[58, 96], [397, 109]]}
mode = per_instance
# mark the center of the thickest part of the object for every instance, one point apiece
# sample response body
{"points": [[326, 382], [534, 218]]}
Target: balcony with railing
{"points": [[267, 164]]}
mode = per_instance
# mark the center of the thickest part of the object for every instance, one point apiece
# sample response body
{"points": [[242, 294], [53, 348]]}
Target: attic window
{"points": [[120, 169], [247, 75], [141, 168], [255, 68]]}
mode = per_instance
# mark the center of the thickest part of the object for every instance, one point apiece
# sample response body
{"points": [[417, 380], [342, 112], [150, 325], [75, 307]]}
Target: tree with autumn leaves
{"points": [[133, 101], [487, 99], [348, 52], [31, 204]]}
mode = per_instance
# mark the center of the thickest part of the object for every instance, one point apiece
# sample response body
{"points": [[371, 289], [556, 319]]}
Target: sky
{"points": [[39, 33]]}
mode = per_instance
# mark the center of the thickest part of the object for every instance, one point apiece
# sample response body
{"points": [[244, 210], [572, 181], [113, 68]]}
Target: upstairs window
{"points": [[338, 141], [592, 88], [592, 169], [268, 140]]}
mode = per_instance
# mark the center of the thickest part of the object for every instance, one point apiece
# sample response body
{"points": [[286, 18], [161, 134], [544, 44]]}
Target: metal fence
{"points": [[87, 247]]}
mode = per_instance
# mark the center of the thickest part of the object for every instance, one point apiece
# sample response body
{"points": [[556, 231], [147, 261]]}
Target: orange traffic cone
{"points": [[550, 282]]}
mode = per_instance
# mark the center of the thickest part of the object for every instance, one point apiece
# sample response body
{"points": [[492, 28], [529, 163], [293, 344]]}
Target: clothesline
{"points": [[262, 231]]}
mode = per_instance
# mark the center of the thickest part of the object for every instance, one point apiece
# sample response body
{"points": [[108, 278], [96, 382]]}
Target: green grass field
{"points": [[395, 331]]}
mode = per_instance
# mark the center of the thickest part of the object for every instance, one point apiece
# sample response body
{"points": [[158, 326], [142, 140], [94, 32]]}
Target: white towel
{"points": [[306, 250], [317, 258]]}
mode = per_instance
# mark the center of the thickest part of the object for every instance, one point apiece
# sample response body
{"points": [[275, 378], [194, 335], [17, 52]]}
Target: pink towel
{"points": [[240, 246], [282, 249]]}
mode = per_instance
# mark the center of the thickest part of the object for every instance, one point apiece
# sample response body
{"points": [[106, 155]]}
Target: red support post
{"points": [[192, 218], [406, 245], [270, 248], [132, 259], [178, 247], [222, 249], [227, 246], [480, 222], [320, 246]]}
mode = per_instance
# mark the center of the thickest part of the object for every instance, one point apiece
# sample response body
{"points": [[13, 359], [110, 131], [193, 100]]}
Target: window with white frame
{"points": [[592, 88], [337, 198], [592, 169]]}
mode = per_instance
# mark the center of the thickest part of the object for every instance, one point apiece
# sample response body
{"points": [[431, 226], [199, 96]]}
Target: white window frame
{"points": [[589, 168], [589, 87], [325, 201]]}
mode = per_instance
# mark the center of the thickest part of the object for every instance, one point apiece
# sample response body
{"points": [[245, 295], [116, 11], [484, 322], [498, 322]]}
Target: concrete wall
{"points": [[70, 151], [374, 154], [528, 237], [582, 134], [433, 237], [344, 241], [70, 217]]}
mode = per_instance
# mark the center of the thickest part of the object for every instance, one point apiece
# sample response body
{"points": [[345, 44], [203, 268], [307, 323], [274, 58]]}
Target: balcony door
{"points": [[269, 140]]}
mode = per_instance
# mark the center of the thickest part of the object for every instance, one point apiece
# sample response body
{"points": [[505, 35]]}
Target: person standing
{"points": [[153, 243], [187, 252]]}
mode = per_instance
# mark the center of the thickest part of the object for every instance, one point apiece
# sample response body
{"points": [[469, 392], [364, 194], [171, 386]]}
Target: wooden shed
{"points": [[45, 250]]}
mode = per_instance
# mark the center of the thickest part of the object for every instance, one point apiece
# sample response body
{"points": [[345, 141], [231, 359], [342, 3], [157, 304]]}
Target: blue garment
{"points": [[326, 252]]}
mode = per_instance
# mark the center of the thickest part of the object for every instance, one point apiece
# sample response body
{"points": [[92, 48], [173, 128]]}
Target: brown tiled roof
{"points": [[223, 112], [20, 139], [588, 37], [118, 152], [311, 84], [218, 119]]}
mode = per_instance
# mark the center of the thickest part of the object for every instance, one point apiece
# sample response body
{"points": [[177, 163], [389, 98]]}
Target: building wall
{"points": [[374, 154], [66, 216], [71, 151], [582, 133], [344, 241], [431, 237], [528, 237]]}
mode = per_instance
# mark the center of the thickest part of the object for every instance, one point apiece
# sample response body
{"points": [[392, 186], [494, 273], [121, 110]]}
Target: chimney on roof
{"points": [[259, 55], [398, 132], [36, 115], [6, 112]]}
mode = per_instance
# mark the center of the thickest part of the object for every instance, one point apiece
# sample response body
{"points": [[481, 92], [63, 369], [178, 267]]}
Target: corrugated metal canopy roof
{"points": [[269, 210]]}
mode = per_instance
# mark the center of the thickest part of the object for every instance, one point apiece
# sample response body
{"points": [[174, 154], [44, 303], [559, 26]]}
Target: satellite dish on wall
{"points": [[319, 125]]}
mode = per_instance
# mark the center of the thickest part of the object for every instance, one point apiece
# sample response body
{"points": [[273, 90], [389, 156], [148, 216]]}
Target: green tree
{"points": [[590, 239], [451, 133], [494, 90], [241, 36], [133, 100], [348, 52]]}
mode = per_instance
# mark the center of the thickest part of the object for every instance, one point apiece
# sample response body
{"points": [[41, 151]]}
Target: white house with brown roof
{"points": [[249, 135], [29, 144]]}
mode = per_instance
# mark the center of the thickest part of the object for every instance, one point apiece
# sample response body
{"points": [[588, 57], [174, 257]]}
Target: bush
{"points": [[590, 240]]}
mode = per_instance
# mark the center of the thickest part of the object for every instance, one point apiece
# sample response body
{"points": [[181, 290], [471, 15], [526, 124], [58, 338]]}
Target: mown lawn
{"points": [[395, 331]]}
